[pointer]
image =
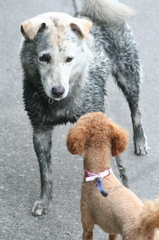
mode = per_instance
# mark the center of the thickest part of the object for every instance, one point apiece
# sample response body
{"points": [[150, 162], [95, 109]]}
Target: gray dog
{"points": [[66, 61]]}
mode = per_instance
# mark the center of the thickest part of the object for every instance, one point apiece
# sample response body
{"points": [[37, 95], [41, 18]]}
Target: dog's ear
{"points": [[76, 140], [81, 26], [30, 28], [119, 139]]}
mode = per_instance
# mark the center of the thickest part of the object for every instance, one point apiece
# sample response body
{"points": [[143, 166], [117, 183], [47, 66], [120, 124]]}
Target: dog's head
{"points": [[97, 130], [54, 46]]}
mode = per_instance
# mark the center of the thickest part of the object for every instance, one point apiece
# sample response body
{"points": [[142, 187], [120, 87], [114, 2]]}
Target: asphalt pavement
{"points": [[19, 173]]}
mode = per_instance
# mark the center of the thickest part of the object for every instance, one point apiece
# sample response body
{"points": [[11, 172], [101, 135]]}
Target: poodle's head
{"points": [[97, 130]]}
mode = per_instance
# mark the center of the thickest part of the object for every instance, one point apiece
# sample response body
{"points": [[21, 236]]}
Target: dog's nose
{"points": [[58, 91]]}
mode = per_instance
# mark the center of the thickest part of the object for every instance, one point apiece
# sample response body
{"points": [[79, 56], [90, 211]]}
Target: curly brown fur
{"points": [[89, 130], [97, 138], [149, 218]]}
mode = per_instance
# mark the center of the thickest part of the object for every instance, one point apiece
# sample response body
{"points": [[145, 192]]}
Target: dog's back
{"points": [[117, 212], [121, 212]]}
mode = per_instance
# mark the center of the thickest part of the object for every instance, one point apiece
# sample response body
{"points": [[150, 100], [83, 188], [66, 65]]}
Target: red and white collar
{"points": [[92, 176]]}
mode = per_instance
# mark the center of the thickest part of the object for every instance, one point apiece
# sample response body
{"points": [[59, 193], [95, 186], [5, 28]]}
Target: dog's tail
{"points": [[106, 11], [149, 218]]}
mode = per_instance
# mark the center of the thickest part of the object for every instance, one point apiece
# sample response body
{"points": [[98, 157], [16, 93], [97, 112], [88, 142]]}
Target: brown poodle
{"points": [[97, 138]]}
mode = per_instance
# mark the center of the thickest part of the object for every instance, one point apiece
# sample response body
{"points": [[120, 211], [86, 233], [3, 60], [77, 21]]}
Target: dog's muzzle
{"points": [[57, 93]]}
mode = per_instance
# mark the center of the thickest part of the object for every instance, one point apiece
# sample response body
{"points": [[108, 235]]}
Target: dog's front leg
{"points": [[42, 145], [114, 237], [86, 217]]}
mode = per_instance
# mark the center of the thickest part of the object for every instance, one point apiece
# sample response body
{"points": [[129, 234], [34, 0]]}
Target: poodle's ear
{"points": [[119, 139], [76, 140]]}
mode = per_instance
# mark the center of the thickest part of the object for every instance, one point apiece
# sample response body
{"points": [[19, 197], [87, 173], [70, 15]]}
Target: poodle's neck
{"points": [[97, 159]]}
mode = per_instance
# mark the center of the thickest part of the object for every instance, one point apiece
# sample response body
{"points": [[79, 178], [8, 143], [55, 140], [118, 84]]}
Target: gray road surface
{"points": [[19, 173]]}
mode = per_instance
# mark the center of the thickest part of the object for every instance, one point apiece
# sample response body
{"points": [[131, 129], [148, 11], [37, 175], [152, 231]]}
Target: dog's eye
{"points": [[45, 58], [69, 59]]}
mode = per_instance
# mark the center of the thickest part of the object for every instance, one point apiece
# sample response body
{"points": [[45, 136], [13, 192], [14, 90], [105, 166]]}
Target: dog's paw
{"points": [[140, 141], [40, 208], [141, 148]]}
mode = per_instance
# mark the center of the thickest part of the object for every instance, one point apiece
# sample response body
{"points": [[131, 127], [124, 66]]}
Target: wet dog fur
{"points": [[66, 62]]}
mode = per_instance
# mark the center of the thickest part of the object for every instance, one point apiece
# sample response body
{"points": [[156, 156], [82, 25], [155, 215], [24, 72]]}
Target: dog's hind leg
{"points": [[128, 79], [42, 145]]}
